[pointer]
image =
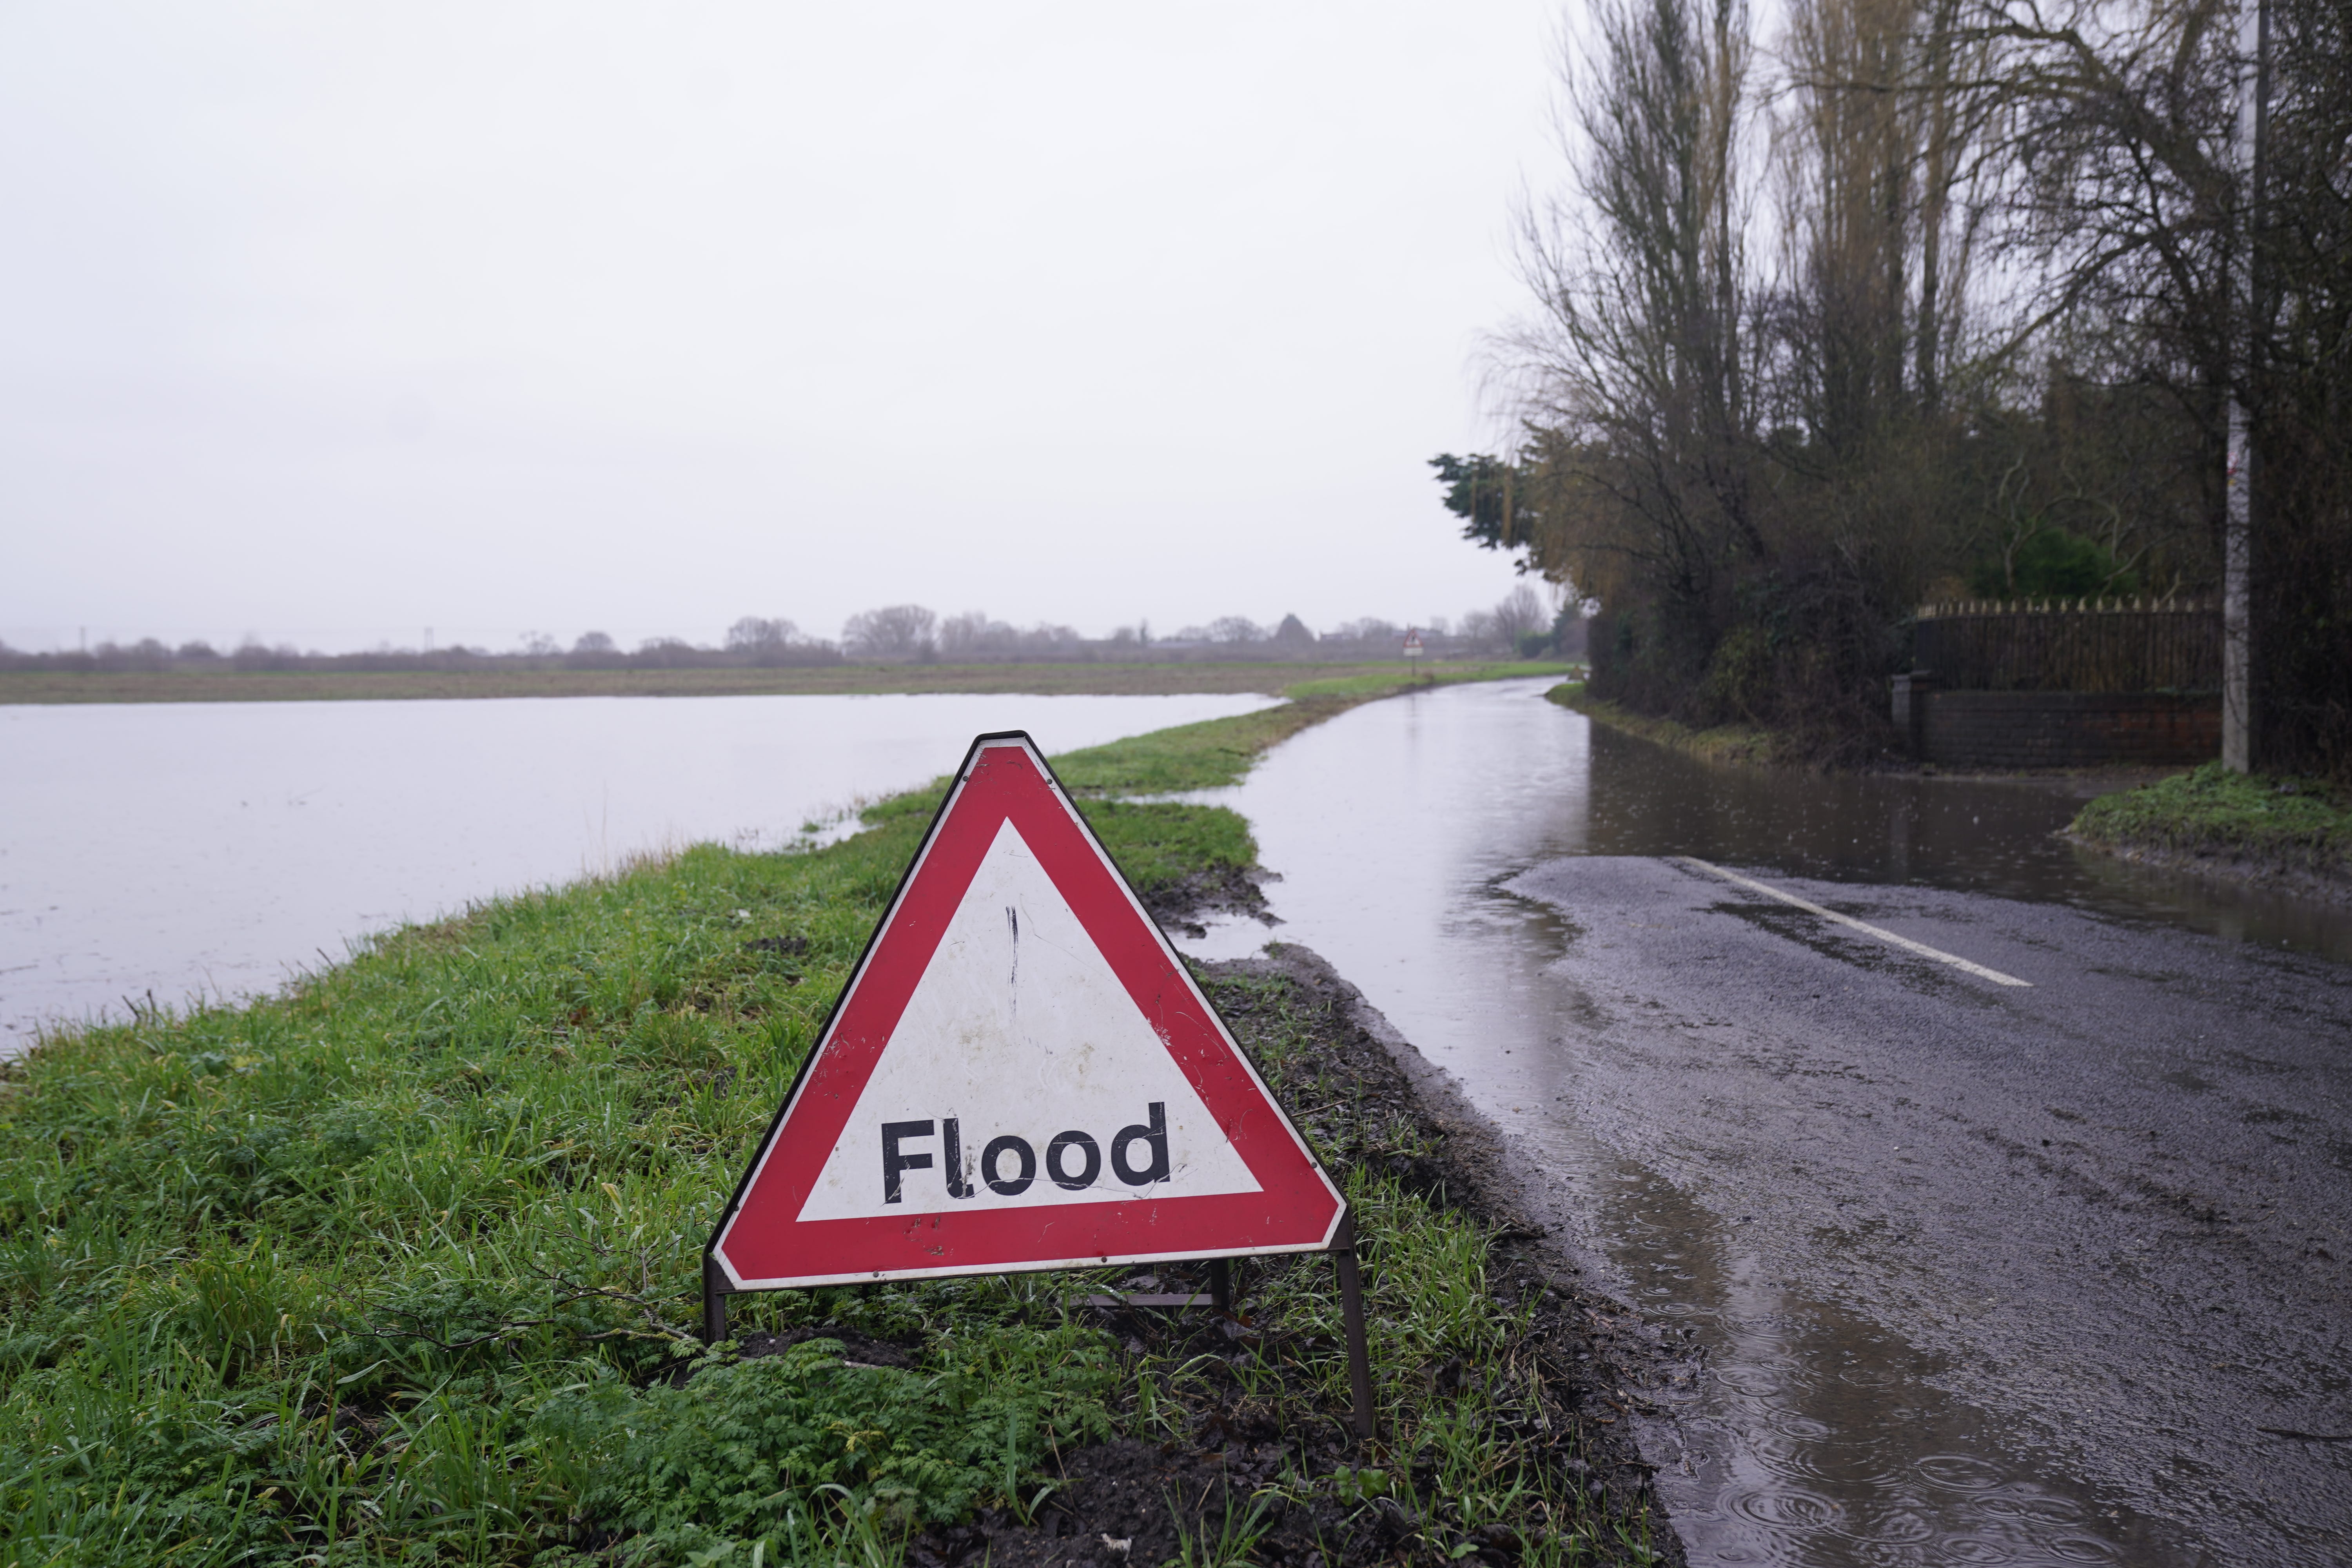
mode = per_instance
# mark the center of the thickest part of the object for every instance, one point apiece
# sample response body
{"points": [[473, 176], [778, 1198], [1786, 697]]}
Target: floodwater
{"points": [[177, 849], [1817, 1434]]}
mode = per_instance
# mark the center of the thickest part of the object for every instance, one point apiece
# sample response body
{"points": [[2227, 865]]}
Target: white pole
{"points": [[2238, 525]]}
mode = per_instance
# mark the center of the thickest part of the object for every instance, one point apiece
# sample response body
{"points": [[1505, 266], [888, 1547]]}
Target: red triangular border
{"points": [[761, 1246]]}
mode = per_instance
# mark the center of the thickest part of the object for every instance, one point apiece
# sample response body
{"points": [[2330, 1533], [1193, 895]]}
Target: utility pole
{"points": [[2238, 526]]}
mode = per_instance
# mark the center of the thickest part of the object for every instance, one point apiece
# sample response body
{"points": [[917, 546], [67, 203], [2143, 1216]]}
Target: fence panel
{"points": [[2096, 645]]}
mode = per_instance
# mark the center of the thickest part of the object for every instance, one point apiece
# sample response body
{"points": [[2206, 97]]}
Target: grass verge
{"points": [[402, 1266], [1218, 752], [2222, 820], [1723, 744]]}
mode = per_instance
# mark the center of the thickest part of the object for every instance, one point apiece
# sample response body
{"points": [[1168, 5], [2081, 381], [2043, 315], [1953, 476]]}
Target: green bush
{"points": [[2053, 564]]}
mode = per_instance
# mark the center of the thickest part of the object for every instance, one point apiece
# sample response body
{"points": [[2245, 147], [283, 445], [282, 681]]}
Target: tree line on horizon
{"points": [[890, 633], [1919, 299]]}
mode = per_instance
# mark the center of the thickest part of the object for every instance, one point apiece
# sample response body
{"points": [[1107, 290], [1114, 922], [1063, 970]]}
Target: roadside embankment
{"points": [[403, 1264], [2293, 834], [1722, 744]]}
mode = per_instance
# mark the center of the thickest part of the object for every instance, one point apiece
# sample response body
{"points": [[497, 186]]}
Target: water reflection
{"points": [[220, 847], [1995, 836], [1818, 1437]]}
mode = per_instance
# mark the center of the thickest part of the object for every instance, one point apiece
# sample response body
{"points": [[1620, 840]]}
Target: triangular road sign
{"points": [[1019, 1075]]}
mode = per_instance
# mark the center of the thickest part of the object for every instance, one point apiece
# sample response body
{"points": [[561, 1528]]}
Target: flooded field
{"points": [[221, 848], [1925, 1336]]}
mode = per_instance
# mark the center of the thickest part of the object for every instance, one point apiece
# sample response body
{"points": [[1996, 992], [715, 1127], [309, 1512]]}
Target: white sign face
{"points": [[1020, 1074]]}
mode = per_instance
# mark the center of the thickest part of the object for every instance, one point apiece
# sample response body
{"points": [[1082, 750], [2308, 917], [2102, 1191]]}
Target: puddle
{"points": [[1817, 1435]]}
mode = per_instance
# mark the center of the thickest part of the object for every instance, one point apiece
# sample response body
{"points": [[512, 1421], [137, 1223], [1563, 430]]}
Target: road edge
{"points": [[1630, 1359]]}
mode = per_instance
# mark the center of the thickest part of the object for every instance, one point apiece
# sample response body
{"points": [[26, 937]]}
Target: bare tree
{"points": [[960, 637], [1633, 378], [1371, 629], [894, 631], [756, 633], [1519, 613]]}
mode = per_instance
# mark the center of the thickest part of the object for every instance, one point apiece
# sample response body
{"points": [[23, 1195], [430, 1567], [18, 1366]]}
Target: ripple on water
{"points": [[1871, 1375], [1761, 1379], [1897, 1523], [1960, 1472], [1804, 1428], [2034, 1506], [1906, 1554], [1783, 1508], [1846, 1465]]}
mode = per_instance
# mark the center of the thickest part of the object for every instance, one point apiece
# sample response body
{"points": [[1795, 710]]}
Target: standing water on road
{"points": [[1980, 1273], [219, 848]]}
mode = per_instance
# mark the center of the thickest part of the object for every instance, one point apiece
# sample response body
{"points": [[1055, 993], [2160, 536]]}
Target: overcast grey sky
{"points": [[333, 322]]}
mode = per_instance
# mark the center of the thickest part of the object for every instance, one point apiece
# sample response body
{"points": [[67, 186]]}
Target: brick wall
{"points": [[2064, 729]]}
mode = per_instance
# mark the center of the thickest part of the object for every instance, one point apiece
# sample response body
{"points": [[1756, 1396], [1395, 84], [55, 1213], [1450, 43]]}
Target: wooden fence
{"points": [[2071, 645]]}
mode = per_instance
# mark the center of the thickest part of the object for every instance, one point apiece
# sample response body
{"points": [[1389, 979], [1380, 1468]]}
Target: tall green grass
{"points": [[373, 1266]]}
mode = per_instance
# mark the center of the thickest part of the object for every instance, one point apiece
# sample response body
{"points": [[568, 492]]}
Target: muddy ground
{"points": [[1234, 1470], [1184, 905]]}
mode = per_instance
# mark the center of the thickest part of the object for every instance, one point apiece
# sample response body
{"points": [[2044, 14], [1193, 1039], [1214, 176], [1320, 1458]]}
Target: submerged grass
{"points": [[403, 1264], [1723, 744]]}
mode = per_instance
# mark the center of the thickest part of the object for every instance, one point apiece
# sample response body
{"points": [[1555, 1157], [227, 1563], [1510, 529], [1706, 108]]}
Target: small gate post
{"points": [[1910, 715]]}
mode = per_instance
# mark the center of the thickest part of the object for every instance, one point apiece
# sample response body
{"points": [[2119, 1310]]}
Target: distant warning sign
{"points": [[1412, 645], [1020, 1074]]}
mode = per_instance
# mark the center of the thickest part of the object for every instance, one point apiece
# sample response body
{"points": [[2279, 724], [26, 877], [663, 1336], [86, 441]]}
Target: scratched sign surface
{"points": [[1020, 1074]]}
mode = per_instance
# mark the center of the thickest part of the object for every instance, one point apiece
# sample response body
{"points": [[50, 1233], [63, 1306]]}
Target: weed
{"points": [[1235, 1541]]}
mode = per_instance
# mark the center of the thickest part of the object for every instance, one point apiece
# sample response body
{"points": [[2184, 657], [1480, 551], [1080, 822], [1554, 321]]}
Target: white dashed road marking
{"points": [[1905, 943]]}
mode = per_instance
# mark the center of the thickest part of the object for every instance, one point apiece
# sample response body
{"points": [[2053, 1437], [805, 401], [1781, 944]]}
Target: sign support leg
{"points": [[1221, 1284], [714, 1301], [1352, 1310]]}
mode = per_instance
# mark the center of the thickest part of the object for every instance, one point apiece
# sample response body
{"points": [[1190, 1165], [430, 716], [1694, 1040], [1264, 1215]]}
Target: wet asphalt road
{"points": [[2109, 1215], [1892, 1324]]}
